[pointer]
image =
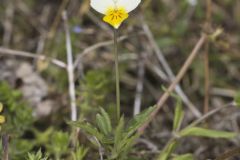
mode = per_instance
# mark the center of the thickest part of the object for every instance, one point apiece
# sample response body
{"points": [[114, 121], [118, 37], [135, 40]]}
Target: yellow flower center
{"points": [[115, 16]]}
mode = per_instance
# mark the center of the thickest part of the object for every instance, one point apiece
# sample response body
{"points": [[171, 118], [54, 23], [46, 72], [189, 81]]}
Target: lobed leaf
{"points": [[139, 120]]}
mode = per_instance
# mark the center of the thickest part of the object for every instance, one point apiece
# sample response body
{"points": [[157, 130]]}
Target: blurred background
{"points": [[154, 43]]}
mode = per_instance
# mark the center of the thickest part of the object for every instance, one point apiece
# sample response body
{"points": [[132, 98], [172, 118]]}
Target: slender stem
{"points": [[206, 58], [208, 114], [117, 75], [206, 79]]}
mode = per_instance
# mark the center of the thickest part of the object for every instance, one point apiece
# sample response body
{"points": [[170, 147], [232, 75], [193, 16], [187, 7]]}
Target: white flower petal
{"points": [[102, 6], [128, 5]]}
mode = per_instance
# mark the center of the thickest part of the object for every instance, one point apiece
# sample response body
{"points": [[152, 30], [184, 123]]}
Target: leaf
{"points": [[184, 157], [202, 132], [119, 131], [101, 124], [88, 128], [79, 153], [118, 137], [128, 145], [178, 115], [107, 120], [164, 155], [36, 156], [139, 120]]}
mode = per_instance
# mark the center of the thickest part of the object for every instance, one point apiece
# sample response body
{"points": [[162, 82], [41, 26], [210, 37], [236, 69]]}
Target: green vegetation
{"points": [[196, 118]]}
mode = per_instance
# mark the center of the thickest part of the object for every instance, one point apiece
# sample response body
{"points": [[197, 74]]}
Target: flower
{"points": [[115, 11], [2, 118]]}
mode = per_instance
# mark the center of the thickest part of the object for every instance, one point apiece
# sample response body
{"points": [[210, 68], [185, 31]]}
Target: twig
{"points": [[180, 75], [7, 51], [5, 141], [157, 70], [210, 113], [223, 92], [206, 58], [139, 87], [168, 70], [206, 79], [70, 69]]}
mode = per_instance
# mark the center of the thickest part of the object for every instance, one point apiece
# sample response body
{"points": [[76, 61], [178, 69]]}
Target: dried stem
{"points": [[206, 58], [229, 154], [5, 141], [139, 87], [70, 69], [212, 112], [12, 52], [179, 76]]}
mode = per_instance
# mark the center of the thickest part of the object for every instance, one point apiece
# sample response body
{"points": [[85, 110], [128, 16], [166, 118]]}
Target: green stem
{"points": [[117, 75]]}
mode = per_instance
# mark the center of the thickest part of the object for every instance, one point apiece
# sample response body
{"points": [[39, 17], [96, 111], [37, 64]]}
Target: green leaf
{"points": [[128, 145], [119, 132], [139, 120], [118, 138], [184, 157], [107, 121], [178, 115], [36, 156], [88, 128], [237, 99], [101, 124], [59, 142], [164, 155], [80, 153], [202, 132]]}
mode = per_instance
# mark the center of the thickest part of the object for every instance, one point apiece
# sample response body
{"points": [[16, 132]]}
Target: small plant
{"points": [[189, 131], [37, 156], [96, 85], [79, 153], [114, 142], [18, 120], [59, 144]]}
